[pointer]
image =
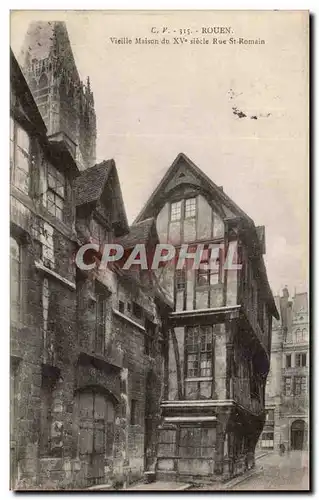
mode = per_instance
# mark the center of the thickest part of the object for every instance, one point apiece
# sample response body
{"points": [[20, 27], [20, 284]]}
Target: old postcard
{"points": [[159, 250]]}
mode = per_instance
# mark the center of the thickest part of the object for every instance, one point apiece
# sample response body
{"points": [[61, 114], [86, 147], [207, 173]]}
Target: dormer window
{"points": [[19, 156], [56, 192]]}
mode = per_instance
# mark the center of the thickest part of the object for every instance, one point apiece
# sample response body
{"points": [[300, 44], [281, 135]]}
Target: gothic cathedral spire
{"points": [[65, 103]]}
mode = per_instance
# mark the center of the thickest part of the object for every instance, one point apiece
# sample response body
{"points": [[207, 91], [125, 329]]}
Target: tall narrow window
{"points": [[56, 192], [199, 352], [20, 156], [288, 361], [298, 335], [15, 277], [180, 279], [205, 354], [301, 359], [137, 310], [176, 211], [288, 386], [297, 385], [190, 208]]}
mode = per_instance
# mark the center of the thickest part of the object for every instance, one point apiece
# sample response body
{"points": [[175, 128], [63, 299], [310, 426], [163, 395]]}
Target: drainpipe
{"points": [[124, 397]]}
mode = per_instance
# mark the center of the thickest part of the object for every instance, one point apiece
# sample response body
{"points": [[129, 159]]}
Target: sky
{"points": [[155, 101]]}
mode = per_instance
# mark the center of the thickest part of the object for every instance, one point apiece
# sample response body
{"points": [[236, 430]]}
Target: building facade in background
{"points": [[287, 389], [218, 356], [87, 347]]}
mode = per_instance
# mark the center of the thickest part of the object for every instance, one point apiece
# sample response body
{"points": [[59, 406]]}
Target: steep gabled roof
{"points": [[90, 186], [159, 197], [211, 186], [138, 233]]}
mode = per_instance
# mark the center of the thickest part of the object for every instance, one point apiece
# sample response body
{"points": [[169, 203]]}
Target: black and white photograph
{"points": [[159, 250]]}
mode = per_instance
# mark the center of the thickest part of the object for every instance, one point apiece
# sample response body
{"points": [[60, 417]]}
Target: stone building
{"points": [[218, 357], [287, 389], [86, 345]]}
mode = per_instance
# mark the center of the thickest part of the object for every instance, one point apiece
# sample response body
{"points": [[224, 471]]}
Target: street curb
{"points": [[263, 455], [241, 479]]}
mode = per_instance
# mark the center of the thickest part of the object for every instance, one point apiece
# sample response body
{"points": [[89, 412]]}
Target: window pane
{"points": [[202, 277], [51, 182], [23, 140], [58, 213], [14, 249], [214, 278], [60, 189], [59, 202], [60, 177], [190, 207], [22, 161], [14, 291], [56, 180], [21, 180], [176, 209]]}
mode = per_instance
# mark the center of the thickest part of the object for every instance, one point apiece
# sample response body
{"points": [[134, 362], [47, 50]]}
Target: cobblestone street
{"points": [[275, 472]]}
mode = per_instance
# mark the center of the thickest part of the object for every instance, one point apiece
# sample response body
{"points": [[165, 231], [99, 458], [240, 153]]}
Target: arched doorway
{"points": [[95, 420], [298, 435]]}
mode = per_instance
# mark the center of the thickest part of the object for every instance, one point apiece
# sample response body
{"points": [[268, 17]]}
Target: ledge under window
{"points": [[55, 275], [128, 319]]}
